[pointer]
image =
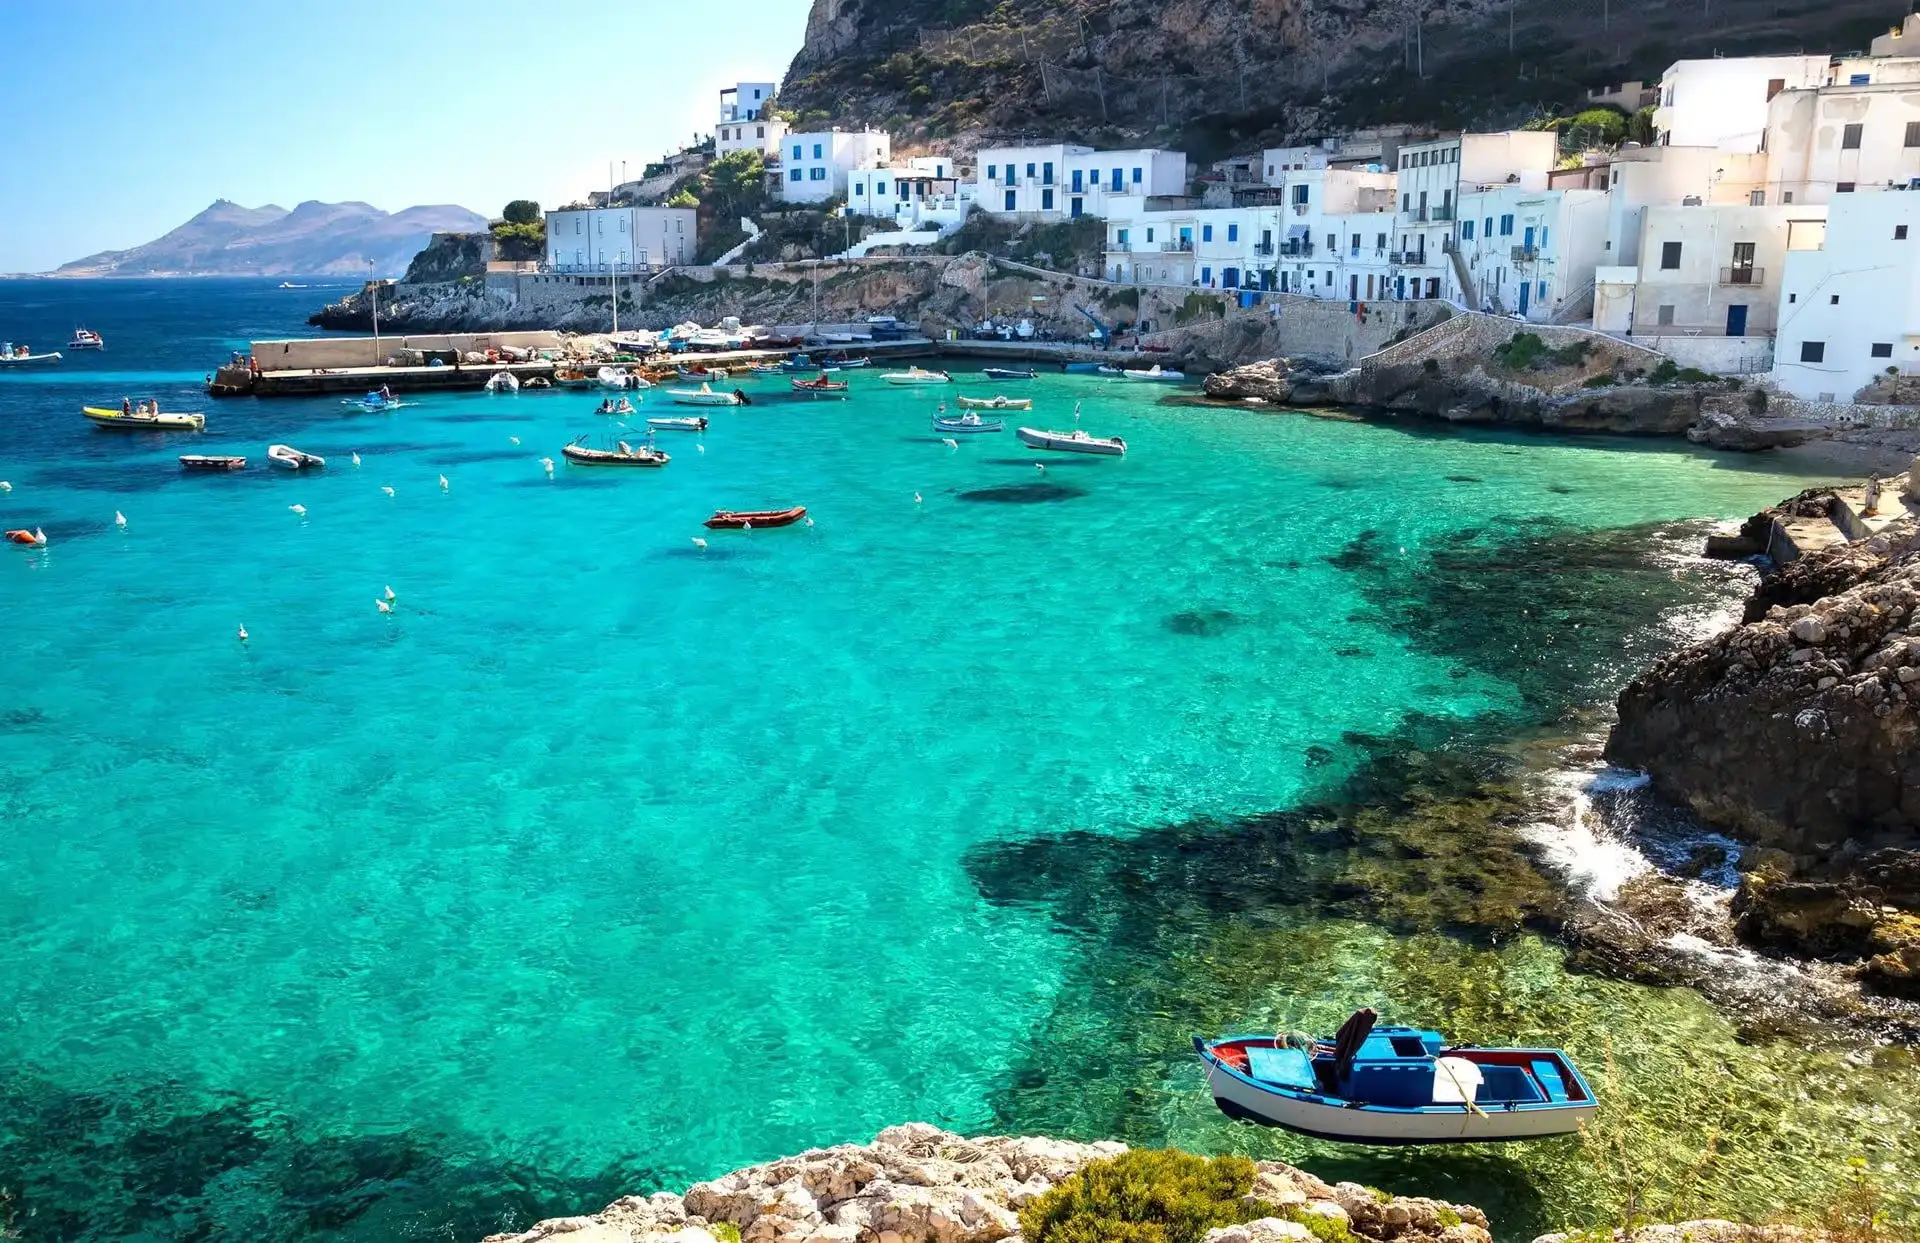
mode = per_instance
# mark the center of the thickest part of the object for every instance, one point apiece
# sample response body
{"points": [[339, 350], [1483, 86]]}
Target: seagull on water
{"points": [[387, 490], [299, 509], [243, 634], [383, 606], [916, 498], [1041, 467], [119, 520], [809, 522], [443, 483], [5, 486], [356, 459], [698, 542], [514, 439], [390, 596], [699, 448], [1076, 412], [950, 443], [548, 463]]}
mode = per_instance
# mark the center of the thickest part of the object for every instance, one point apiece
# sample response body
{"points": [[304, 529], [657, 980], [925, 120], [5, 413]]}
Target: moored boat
{"points": [[570, 377], [623, 455], [12, 355], [819, 384], [1083, 368], [609, 406], [765, 369], [679, 425], [749, 519], [917, 375], [967, 425], [538, 381], [844, 363], [211, 462], [804, 362], [289, 458], [1072, 442], [705, 395], [86, 339], [144, 420], [996, 403], [1008, 373], [1155, 372], [503, 382], [620, 377], [1395, 1085]]}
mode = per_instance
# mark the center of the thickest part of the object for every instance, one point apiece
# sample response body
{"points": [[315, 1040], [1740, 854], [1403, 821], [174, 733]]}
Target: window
{"points": [[1406, 161], [991, 170], [1506, 226], [859, 189], [816, 150], [796, 150], [1300, 194], [1123, 237], [1542, 294], [1833, 299], [1850, 137], [1882, 349], [1774, 87], [1206, 233], [1354, 244], [1843, 187], [759, 131], [1149, 235], [1406, 202], [1118, 183], [1756, 198], [1543, 237], [1899, 232], [1488, 231], [1233, 233], [1079, 180], [1786, 196], [1813, 351], [1077, 206], [1010, 194], [1046, 173], [1670, 256], [1665, 316], [879, 187], [1913, 134], [1380, 240], [816, 174], [1333, 243], [1046, 200], [1859, 79], [1466, 230], [1029, 170], [793, 174], [1136, 176]]}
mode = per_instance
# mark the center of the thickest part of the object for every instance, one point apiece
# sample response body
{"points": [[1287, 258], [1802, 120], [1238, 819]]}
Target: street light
{"points": [[373, 292]]}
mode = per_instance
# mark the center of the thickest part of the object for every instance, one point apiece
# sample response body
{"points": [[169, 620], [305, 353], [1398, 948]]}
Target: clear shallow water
{"points": [[607, 860]]}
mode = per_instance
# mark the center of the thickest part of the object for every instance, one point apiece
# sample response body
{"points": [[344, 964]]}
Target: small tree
{"points": [[683, 199], [521, 211]]}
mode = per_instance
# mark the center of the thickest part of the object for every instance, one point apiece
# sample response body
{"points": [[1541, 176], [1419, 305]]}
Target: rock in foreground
{"points": [[918, 1184]]}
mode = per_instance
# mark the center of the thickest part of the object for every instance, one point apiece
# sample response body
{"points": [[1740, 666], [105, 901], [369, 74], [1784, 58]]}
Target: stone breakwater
{"points": [[918, 1184]]}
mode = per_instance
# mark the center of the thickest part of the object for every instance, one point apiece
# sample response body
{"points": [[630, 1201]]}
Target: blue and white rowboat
{"points": [[1396, 1085]]}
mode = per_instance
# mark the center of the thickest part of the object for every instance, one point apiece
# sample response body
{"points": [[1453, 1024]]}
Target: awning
{"points": [[1295, 232]]}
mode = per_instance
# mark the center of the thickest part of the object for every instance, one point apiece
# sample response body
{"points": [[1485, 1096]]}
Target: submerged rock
{"points": [[917, 1183]]}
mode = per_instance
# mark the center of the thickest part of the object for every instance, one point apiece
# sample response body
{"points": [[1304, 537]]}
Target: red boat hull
{"points": [[735, 520]]}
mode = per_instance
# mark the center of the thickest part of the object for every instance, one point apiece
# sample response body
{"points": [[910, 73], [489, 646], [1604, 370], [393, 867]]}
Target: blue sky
{"points": [[125, 117]]}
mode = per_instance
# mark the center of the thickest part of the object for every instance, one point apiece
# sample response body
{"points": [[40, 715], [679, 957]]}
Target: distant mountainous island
{"points": [[314, 239]]}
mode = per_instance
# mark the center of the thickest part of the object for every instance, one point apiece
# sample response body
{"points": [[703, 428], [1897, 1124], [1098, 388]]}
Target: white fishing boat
{"points": [[86, 339], [705, 395], [12, 355], [917, 375], [503, 382], [967, 425], [1153, 373], [289, 458], [678, 425], [996, 403], [1072, 442]]}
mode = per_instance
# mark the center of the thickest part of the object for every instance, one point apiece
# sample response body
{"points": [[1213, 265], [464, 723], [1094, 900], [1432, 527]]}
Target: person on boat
{"points": [[386, 394], [126, 405], [741, 397], [606, 405]]}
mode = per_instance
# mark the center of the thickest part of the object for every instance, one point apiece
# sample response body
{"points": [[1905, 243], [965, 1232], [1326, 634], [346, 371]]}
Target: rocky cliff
{"points": [[1216, 74]]}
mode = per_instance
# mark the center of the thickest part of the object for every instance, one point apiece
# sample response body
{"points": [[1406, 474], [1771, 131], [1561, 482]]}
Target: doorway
{"points": [[1737, 320]]}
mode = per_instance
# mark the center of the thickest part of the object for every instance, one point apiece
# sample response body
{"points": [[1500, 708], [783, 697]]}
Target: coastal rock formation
{"points": [[1711, 1230], [918, 1184]]}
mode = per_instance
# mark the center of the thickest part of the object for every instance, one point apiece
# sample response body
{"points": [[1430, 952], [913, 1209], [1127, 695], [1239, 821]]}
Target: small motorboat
{"points": [[802, 362], [1155, 372], [967, 425], [845, 364], [610, 406], [503, 382], [819, 384], [623, 455], [144, 419], [374, 403], [538, 381], [678, 425], [289, 458], [705, 395], [12, 355], [1008, 373], [35, 538], [753, 519], [996, 403], [702, 373], [765, 369], [613, 377], [1083, 368], [86, 339], [1109, 369], [570, 377], [917, 375], [1395, 1085], [211, 462], [1072, 442]]}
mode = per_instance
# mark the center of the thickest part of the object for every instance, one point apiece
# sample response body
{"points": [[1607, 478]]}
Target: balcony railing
{"points": [[1743, 276], [1524, 254], [1409, 258], [1299, 209], [1182, 245], [1296, 250], [1263, 248]]}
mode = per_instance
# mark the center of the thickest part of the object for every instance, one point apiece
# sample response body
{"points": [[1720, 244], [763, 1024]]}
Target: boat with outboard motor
{"points": [[623, 455], [822, 383], [706, 395], [146, 417], [12, 355], [1072, 442], [1008, 373], [609, 406], [212, 462], [1153, 373], [967, 425], [996, 403], [503, 382], [1395, 1085], [286, 457], [917, 375], [748, 519], [678, 425], [86, 339]]}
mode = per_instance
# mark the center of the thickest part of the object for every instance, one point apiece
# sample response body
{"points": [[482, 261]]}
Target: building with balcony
{"points": [[746, 121], [1849, 309], [1062, 181], [814, 166], [1432, 177], [921, 193], [1642, 177], [619, 239], [1530, 253], [1714, 269]]}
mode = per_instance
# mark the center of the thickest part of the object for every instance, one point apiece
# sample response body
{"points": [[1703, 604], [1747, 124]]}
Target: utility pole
{"points": [[373, 292]]}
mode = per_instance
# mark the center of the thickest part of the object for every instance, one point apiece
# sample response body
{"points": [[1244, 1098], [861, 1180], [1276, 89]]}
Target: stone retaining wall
{"points": [[1473, 334]]}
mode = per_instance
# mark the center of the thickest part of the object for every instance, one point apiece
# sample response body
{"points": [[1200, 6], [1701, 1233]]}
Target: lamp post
{"points": [[373, 293]]}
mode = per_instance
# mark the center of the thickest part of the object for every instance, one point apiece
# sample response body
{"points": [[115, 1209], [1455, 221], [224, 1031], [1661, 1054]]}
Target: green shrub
{"points": [[1520, 351], [1197, 306], [1666, 372], [1693, 375], [1147, 1195], [725, 1231], [1323, 1228], [1114, 299], [1597, 381], [1574, 355], [521, 211]]}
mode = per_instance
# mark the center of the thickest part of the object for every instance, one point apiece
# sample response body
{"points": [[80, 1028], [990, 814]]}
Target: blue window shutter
{"points": [[1233, 233], [1136, 176], [1206, 233], [1489, 229], [1206, 276], [1010, 195], [1149, 235], [816, 150], [796, 150], [991, 170], [794, 175], [1543, 245]]}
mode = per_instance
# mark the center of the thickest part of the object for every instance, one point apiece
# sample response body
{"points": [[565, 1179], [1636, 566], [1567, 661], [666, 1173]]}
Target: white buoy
{"points": [[383, 606], [299, 509], [356, 459], [387, 490], [443, 483], [390, 594], [119, 520], [243, 634], [698, 542]]}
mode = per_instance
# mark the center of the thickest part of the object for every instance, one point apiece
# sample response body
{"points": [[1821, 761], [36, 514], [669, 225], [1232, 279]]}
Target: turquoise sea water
{"points": [[607, 861]]}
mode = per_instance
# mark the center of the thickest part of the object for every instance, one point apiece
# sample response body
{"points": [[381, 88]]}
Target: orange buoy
{"points": [[31, 538]]}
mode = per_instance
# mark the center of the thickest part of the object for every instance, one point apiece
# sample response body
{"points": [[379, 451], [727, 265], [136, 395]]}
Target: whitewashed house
{"points": [[1062, 181], [619, 239], [1830, 140], [1712, 270], [1722, 102], [746, 120], [814, 166], [1338, 230], [1277, 162], [922, 193], [1530, 253], [1850, 304]]}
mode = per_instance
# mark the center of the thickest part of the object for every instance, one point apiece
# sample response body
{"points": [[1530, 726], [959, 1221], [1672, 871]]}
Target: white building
{"points": [[1833, 140], [1214, 248], [814, 166], [1062, 181], [1433, 175], [746, 121], [619, 239], [922, 193], [1723, 102], [1530, 252], [1644, 177], [1715, 269], [1850, 306], [1277, 162]]}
